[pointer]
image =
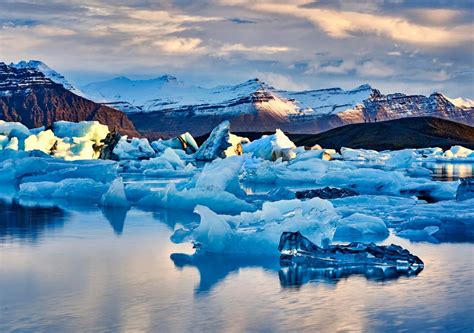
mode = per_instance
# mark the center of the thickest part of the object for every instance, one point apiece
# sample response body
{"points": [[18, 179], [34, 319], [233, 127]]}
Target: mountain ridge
{"points": [[164, 106], [29, 97]]}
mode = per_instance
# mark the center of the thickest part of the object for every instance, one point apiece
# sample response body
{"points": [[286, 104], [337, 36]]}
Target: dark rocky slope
{"points": [[27, 96], [417, 132]]}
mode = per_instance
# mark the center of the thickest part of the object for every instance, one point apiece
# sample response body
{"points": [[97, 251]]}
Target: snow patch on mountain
{"points": [[49, 73], [330, 101], [463, 103]]}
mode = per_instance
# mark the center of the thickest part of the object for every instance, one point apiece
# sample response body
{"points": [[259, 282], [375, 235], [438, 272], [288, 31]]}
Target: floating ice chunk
{"points": [[401, 158], [13, 129], [419, 235], [350, 154], [187, 199], [359, 225], [183, 142], [115, 195], [220, 144], [458, 151], [168, 160], [3, 141], [43, 141], [213, 231], [88, 130], [34, 166], [272, 147], [465, 189], [259, 232], [296, 249], [75, 188], [133, 149], [221, 175], [13, 144]]}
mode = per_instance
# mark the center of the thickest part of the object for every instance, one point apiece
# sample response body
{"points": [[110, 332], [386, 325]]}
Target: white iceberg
{"points": [[358, 225], [259, 232], [115, 195], [133, 149], [272, 147]]}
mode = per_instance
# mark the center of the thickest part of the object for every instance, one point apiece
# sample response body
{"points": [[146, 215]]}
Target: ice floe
{"points": [[259, 232]]}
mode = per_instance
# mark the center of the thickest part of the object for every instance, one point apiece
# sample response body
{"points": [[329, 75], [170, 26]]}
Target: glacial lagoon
{"points": [[74, 268]]}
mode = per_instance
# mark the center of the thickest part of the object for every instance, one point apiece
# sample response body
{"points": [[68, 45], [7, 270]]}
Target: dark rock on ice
{"points": [[465, 189], [326, 193], [110, 141], [296, 249]]}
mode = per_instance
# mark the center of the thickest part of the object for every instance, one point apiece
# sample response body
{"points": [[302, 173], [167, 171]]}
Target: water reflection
{"points": [[297, 275], [116, 217], [215, 268], [28, 222], [450, 171]]}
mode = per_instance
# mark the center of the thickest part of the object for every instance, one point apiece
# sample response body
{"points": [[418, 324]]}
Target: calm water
{"points": [[450, 171], [117, 271]]}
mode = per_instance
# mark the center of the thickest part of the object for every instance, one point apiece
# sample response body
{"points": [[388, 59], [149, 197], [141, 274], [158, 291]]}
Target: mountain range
{"points": [[35, 95], [164, 106]]}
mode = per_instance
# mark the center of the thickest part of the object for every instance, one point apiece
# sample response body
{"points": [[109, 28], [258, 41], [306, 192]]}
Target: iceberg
{"points": [[183, 142], [188, 199], [220, 144], [258, 233], [272, 147], [133, 149], [115, 195], [296, 249], [86, 190], [465, 189], [458, 152], [359, 225]]}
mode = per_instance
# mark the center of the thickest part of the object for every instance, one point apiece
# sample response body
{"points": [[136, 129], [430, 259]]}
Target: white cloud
{"points": [[280, 81], [375, 69], [343, 24], [179, 45], [240, 48]]}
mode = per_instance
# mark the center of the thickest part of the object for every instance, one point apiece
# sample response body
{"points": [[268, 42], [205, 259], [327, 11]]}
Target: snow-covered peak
{"points": [[463, 103], [48, 72], [331, 100]]}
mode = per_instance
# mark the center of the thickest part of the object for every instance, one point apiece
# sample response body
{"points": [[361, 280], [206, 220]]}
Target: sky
{"points": [[409, 46]]}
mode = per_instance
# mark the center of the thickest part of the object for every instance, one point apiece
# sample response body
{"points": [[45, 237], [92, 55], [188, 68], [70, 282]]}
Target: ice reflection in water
{"points": [[450, 171], [80, 276]]}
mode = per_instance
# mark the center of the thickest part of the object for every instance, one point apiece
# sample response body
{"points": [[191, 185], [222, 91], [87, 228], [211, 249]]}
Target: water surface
{"points": [[91, 270]]}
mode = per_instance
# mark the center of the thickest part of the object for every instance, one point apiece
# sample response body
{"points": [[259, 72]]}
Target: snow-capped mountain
{"points": [[49, 73], [29, 97], [167, 106]]}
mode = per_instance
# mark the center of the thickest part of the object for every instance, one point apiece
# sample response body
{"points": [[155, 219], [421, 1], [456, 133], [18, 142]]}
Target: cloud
{"points": [[375, 69], [240, 48], [337, 67], [344, 24], [321, 43], [179, 45], [280, 81]]}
